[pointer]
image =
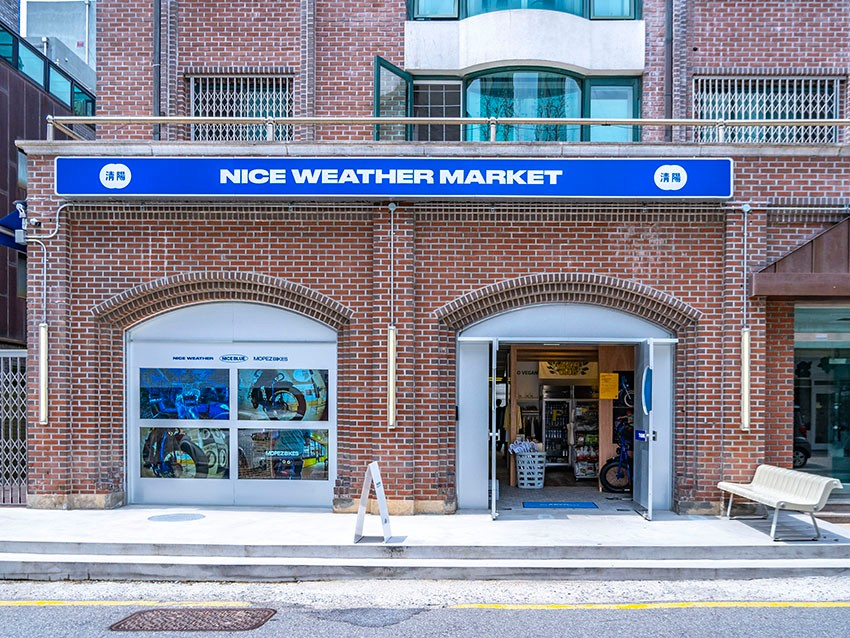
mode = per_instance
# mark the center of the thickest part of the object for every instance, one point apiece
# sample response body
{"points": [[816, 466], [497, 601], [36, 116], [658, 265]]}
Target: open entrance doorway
{"points": [[565, 426], [559, 398]]}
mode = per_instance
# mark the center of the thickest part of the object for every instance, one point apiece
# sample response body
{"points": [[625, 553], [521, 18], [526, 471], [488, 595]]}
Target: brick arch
{"points": [[628, 296], [161, 295]]}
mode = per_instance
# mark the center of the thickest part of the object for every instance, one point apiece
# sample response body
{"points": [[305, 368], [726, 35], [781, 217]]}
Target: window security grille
{"points": [[248, 96], [753, 98], [13, 427]]}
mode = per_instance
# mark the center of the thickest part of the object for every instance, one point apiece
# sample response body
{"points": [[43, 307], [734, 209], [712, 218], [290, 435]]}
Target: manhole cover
{"points": [[208, 619], [176, 518]]}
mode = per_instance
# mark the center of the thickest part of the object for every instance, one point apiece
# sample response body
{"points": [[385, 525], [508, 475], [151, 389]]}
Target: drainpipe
{"points": [[157, 59], [668, 68], [30, 227]]}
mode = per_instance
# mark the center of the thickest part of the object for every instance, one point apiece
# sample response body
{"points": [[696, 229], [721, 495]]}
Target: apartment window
{"points": [[525, 93], [238, 97], [611, 9], [612, 100], [454, 9], [435, 8], [767, 98], [437, 99], [551, 94]]}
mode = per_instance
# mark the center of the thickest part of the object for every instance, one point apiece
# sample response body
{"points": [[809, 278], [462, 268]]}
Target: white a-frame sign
{"points": [[373, 475]]}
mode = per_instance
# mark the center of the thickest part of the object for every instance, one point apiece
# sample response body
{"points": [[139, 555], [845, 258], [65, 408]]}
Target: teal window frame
{"points": [[586, 85], [630, 15], [417, 14], [422, 133], [590, 84], [547, 130], [392, 131], [585, 9]]}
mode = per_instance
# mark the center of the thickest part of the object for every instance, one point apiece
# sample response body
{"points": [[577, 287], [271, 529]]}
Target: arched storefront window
{"points": [[524, 93]]}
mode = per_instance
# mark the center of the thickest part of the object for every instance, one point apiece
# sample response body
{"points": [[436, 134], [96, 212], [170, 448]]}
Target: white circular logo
{"points": [[115, 176], [670, 177]]}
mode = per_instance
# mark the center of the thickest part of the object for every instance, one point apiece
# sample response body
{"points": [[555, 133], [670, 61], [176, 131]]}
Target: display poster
{"points": [[283, 454], [184, 393], [586, 372], [185, 453], [283, 395], [609, 385]]}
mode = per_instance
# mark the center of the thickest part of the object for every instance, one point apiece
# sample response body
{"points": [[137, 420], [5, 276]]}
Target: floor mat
{"points": [[559, 505]]}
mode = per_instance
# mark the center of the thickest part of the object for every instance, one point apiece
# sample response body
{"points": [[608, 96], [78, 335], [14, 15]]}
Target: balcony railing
{"points": [[399, 129]]}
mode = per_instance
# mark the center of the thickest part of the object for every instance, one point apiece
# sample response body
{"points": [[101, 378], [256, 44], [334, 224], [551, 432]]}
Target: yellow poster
{"points": [[609, 385]]}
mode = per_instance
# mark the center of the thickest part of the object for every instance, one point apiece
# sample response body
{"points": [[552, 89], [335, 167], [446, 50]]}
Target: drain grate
{"points": [[203, 619]]}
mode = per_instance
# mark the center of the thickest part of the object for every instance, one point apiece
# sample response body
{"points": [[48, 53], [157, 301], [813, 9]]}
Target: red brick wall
{"points": [[652, 98], [124, 58], [441, 253], [348, 37], [779, 398], [768, 34]]}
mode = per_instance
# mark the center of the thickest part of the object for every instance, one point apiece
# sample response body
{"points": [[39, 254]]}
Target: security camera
{"points": [[35, 223]]}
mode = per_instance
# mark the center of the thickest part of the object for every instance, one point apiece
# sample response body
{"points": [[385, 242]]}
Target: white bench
{"points": [[784, 489]]}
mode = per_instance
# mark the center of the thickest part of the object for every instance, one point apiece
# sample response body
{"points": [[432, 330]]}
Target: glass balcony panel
{"points": [[31, 64]]}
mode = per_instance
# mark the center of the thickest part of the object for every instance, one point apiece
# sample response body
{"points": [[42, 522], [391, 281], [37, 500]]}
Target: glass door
{"points": [[644, 431], [494, 431]]}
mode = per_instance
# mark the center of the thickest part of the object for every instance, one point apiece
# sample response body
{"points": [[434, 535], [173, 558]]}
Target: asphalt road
{"points": [[813, 607]]}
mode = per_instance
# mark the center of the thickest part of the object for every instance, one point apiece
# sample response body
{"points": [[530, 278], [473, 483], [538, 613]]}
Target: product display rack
{"points": [[585, 451], [556, 421]]}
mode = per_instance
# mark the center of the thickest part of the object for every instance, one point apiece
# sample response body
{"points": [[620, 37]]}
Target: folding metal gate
{"points": [[13, 427]]}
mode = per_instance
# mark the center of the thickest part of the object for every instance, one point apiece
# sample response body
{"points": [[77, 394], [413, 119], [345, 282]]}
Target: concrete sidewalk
{"points": [[280, 544]]}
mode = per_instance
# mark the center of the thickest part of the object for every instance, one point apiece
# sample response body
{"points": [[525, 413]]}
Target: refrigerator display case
{"points": [[556, 421], [571, 428]]}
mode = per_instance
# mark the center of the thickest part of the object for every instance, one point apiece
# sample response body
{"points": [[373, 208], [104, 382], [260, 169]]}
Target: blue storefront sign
{"points": [[394, 178]]}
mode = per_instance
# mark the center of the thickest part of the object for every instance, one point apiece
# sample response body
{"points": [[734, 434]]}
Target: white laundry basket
{"points": [[530, 469]]}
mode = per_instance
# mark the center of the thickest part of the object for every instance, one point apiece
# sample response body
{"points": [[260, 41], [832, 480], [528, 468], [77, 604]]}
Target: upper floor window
{"points": [[767, 98], [506, 93], [593, 9], [551, 94], [236, 97], [437, 99]]}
